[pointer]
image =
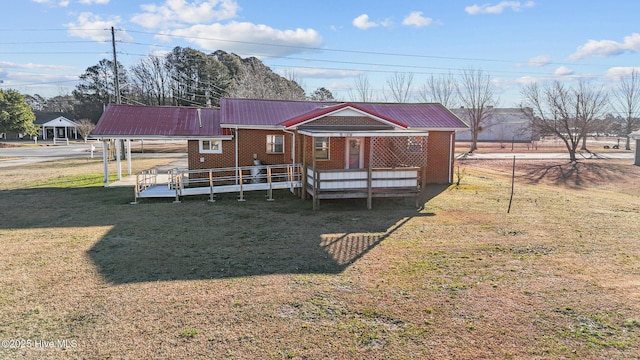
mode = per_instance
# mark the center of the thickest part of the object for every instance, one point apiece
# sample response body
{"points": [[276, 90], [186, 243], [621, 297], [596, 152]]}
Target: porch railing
{"points": [[245, 178], [144, 180], [362, 183]]}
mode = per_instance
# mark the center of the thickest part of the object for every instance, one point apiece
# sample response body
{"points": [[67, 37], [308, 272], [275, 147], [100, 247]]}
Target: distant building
{"points": [[503, 125], [50, 125]]}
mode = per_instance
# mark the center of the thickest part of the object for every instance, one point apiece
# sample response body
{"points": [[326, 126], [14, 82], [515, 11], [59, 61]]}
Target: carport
{"points": [[125, 123]]}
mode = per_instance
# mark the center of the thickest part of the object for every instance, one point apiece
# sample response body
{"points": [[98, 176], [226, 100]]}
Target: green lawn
{"points": [[96, 277]]}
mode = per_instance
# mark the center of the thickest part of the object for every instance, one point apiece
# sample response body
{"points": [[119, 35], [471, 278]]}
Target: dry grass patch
{"points": [[558, 277]]}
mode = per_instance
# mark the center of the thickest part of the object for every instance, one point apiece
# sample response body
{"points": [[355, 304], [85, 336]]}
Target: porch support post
{"points": [[303, 194], [236, 155], [128, 156], [105, 162], [316, 178], [118, 162], [370, 174], [369, 186]]}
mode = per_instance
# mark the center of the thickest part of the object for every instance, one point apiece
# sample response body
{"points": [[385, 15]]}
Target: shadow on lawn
{"points": [[161, 241], [573, 174]]}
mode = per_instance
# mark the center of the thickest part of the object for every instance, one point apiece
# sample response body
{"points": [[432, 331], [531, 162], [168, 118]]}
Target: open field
{"points": [[557, 277]]}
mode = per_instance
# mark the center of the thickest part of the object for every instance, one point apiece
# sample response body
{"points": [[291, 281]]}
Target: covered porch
{"points": [[363, 164]]}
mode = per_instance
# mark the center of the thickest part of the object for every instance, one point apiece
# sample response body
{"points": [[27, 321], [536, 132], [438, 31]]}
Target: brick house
{"points": [[337, 138]]}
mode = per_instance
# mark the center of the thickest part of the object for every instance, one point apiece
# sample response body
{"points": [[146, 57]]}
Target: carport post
{"points": [[105, 162], [118, 162], [128, 156]]}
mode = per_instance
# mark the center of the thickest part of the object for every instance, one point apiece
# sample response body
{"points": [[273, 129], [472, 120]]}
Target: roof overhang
{"points": [[365, 133], [160, 137], [252, 127]]}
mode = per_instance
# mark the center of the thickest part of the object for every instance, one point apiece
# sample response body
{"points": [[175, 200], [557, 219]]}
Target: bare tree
{"points": [[151, 80], [568, 113], [363, 90], [440, 89], [399, 86], [476, 95], [321, 94], [85, 126], [627, 96], [256, 81]]}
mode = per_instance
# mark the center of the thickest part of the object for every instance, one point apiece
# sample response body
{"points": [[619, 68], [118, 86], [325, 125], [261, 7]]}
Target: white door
{"points": [[355, 153]]}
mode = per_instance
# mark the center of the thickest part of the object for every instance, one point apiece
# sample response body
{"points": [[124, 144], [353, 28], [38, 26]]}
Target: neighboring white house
{"points": [[503, 125], [636, 136], [59, 128], [50, 125]]}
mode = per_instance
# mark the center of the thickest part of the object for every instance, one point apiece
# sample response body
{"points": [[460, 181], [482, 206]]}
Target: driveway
{"points": [[24, 155]]}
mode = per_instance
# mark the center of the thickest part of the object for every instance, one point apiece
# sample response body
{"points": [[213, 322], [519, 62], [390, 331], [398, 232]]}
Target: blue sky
{"points": [[46, 44]]}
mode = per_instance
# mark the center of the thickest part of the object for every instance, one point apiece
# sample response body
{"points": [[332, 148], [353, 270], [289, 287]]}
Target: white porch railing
{"points": [[362, 183], [221, 180]]}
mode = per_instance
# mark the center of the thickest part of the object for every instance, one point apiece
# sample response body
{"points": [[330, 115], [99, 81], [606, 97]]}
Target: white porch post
{"points": [[105, 162], [44, 132], [128, 156], [237, 170], [66, 135], [118, 162]]}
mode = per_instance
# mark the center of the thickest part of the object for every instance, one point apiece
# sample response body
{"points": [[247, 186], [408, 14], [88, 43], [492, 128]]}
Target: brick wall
{"points": [[255, 142], [439, 157], [249, 142]]}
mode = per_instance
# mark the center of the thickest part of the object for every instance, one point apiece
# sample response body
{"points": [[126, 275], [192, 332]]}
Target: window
{"points": [[321, 148], [414, 144], [211, 146], [275, 144]]}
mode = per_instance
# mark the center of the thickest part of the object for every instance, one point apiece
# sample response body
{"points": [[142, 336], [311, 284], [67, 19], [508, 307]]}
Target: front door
{"points": [[355, 153]]}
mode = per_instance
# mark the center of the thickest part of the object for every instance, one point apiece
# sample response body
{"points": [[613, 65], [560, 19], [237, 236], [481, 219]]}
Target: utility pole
{"points": [[115, 65], [118, 101]]}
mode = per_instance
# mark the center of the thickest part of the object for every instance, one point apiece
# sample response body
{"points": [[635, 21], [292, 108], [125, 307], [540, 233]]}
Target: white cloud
{"points": [[498, 8], [538, 61], [325, 73], [362, 22], [29, 66], [93, 27], [604, 48], [91, 2], [618, 72], [174, 12], [247, 39], [563, 71], [60, 3], [416, 19], [562, 74]]}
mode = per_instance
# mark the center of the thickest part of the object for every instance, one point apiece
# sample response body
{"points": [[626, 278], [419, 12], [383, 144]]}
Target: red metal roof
{"points": [[314, 114], [183, 122], [251, 112], [158, 122]]}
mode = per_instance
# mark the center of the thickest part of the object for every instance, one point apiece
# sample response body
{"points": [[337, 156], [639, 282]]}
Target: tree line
{"points": [[183, 77], [570, 113], [189, 77]]}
